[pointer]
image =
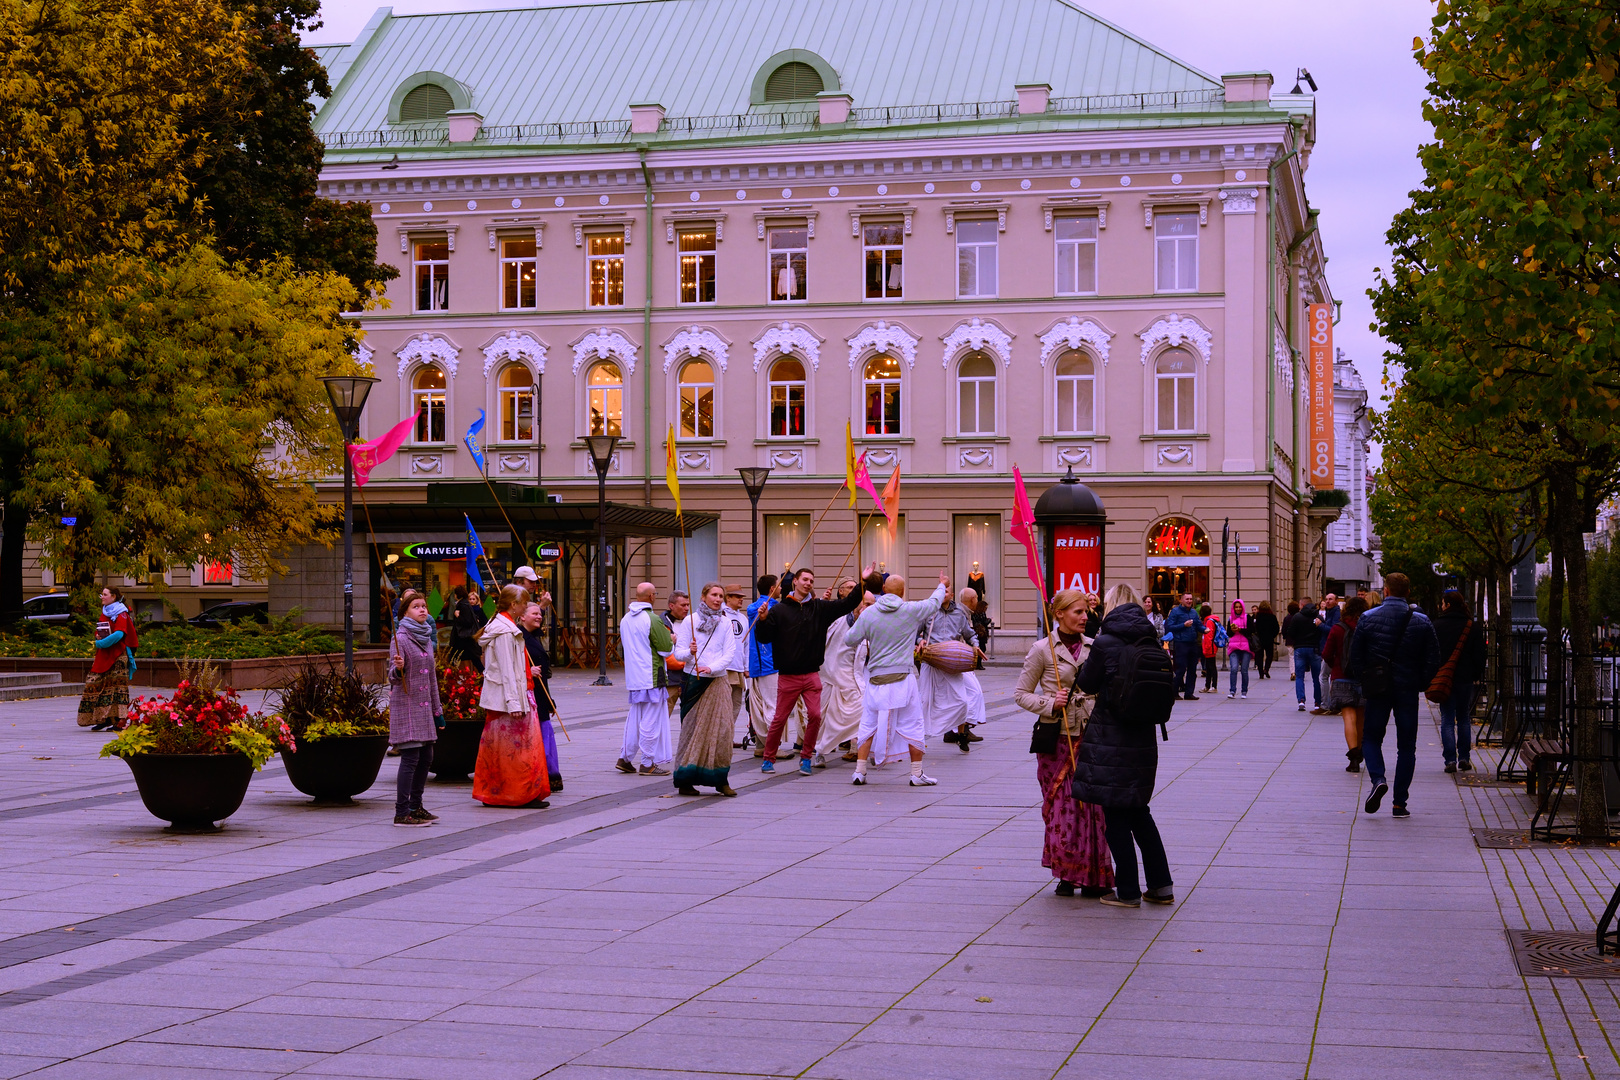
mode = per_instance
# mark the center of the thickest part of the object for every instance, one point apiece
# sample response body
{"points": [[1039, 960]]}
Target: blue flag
{"points": [[477, 426], [475, 552]]}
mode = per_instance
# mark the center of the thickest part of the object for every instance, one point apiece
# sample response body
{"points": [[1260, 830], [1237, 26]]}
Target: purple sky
{"points": [[1369, 108]]}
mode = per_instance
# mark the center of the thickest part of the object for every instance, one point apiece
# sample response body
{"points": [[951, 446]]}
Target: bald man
{"points": [[891, 709], [646, 642]]}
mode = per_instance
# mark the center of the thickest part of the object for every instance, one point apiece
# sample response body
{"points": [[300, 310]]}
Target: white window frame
{"points": [[1057, 390], [593, 389], [772, 383], [978, 382], [899, 384], [682, 385], [606, 260], [419, 396], [978, 248], [707, 255], [515, 264], [787, 254], [884, 251], [1066, 251], [1183, 251], [1190, 425], [438, 276], [509, 400]]}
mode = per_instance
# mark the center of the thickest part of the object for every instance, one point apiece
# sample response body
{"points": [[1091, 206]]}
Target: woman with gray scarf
{"points": [[414, 712], [706, 640]]}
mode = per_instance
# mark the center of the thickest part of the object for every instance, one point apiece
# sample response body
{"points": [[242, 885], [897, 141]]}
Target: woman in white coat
{"points": [[706, 642], [511, 767]]}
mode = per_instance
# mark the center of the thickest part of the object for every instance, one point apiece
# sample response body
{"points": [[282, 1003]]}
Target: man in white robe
{"points": [[891, 712], [646, 642], [843, 677], [952, 701]]}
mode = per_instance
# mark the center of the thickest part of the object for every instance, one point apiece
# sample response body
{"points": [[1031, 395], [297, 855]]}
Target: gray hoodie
{"points": [[890, 628]]}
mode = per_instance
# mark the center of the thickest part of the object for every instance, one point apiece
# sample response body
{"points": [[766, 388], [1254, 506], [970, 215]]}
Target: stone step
{"points": [[27, 678], [26, 685]]}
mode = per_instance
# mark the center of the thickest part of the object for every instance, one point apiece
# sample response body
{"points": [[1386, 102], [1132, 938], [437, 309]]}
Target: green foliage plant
{"points": [[325, 701]]}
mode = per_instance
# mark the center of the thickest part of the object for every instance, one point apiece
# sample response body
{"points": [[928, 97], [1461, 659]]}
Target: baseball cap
{"points": [[525, 572]]}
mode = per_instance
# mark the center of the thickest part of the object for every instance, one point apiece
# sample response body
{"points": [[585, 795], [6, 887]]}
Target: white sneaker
{"points": [[1229, 697], [858, 779], [923, 780], [1302, 706], [1245, 697]]}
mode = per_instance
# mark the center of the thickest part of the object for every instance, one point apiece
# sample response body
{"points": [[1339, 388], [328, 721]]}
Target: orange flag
{"points": [[891, 504]]}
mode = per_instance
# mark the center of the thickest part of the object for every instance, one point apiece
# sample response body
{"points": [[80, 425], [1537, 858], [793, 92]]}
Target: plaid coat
{"points": [[413, 692]]}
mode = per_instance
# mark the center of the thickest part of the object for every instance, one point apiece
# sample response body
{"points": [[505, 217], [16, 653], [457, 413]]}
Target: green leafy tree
{"points": [[1503, 293]]}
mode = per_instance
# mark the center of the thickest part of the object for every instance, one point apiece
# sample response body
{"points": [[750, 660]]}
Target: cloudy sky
{"points": [[1369, 118]]}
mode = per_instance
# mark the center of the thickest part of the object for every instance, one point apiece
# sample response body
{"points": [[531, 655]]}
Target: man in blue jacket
{"points": [[762, 669], [1186, 630], [1395, 635]]}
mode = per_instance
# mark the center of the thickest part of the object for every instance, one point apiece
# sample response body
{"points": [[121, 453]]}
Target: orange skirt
{"points": [[511, 767]]}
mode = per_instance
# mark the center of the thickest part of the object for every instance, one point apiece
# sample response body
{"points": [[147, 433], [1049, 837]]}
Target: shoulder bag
{"points": [[1439, 690]]}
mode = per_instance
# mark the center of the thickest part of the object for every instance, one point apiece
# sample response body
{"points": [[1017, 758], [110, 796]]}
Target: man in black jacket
{"points": [[796, 631], [1394, 635]]}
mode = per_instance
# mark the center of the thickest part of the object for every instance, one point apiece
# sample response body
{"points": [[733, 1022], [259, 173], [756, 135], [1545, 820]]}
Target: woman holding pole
{"points": [[706, 641]]}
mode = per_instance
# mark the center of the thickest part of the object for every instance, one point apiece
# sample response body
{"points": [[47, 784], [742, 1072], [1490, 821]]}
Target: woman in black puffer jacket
{"points": [[1117, 763]]}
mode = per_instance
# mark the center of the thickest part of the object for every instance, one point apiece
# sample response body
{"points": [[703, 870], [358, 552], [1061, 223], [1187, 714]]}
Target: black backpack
{"points": [[1143, 690]]}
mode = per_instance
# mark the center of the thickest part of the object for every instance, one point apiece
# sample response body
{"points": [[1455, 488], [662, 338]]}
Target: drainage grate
{"points": [[1502, 838], [1555, 955]]}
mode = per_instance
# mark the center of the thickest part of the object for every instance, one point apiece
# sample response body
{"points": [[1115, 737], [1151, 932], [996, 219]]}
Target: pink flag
{"points": [[863, 480], [367, 456], [1023, 529]]}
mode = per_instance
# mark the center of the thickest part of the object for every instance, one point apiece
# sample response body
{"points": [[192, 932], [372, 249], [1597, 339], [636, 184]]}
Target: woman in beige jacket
{"points": [[1076, 848], [511, 767]]}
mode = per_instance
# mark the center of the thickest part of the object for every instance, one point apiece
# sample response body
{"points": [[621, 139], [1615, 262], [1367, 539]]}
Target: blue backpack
{"points": [[1221, 636]]}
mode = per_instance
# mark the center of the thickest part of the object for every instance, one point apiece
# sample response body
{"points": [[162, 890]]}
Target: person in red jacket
{"points": [[106, 691]]}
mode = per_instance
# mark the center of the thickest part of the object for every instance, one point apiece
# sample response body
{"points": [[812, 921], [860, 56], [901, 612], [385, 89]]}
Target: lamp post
{"points": [[754, 481], [601, 448], [348, 396]]}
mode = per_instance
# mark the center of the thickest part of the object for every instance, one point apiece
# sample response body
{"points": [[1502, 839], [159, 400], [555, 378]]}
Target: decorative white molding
{"points": [[882, 457], [787, 338], [1172, 202], [1178, 454], [883, 337], [363, 352], [788, 216], [976, 211], [977, 334], [510, 225], [427, 464], [1282, 356], [515, 345], [870, 212], [1076, 206], [604, 224], [975, 457], [1073, 333], [787, 459], [512, 463], [1077, 456], [1239, 201], [1176, 330], [694, 341], [693, 460], [601, 343], [428, 349]]}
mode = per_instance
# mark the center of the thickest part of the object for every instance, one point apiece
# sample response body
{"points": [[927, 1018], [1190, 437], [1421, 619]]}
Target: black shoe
{"points": [[1465, 766], [1450, 768], [1376, 799], [421, 813], [624, 766], [537, 804], [1354, 766], [950, 736], [1400, 811], [1064, 888], [1094, 892], [686, 790]]}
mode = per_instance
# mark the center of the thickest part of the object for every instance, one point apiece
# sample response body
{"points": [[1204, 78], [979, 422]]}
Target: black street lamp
{"points": [[754, 481], [601, 448], [348, 397]]}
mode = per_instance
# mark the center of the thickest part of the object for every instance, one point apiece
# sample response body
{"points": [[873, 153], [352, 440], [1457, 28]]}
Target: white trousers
{"points": [[949, 699], [646, 731], [892, 717]]}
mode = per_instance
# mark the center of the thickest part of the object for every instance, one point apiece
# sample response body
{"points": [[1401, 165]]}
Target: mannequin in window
{"points": [[976, 581]]}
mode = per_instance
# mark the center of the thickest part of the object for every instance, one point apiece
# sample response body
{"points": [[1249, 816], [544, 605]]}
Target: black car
{"points": [[232, 612], [52, 608]]}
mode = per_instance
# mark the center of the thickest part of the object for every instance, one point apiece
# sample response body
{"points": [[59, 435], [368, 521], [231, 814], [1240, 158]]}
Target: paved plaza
{"points": [[808, 928]]}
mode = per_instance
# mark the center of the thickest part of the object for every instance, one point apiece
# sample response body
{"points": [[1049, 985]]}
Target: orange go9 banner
{"points": [[1321, 405]]}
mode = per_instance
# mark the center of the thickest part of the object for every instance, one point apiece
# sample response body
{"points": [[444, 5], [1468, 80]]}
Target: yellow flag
{"points": [[672, 481], [849, 463]]}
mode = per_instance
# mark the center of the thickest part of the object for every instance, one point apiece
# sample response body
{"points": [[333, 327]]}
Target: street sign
{"points": [[548, 551], [436, 551], [69, 522], [1321, 402], [1248, 549], [1077, 557]]}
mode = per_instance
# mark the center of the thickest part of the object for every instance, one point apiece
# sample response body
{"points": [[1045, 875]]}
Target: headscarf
{"points": [[423, 633]]}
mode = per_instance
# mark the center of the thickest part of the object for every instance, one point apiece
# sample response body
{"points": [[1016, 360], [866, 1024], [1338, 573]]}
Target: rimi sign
{"points": [[1077, 556], [1321, 404]]}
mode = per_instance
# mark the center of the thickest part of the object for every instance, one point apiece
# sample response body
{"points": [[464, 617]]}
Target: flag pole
{"points": [[371, 537], [792, 562], [860, 529]]}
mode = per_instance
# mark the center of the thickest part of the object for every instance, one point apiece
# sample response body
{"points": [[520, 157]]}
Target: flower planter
{"points": [[456, 751], [191, 791], [336, 769]]}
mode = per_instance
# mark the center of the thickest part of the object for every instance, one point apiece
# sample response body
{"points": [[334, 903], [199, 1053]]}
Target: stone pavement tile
{"points": [[437, 1039], [1394, 1033], [325, 1034], [1336, 1062], [364, 1065], [942, 1031], [1208, 1042], [684, 1023], [199, 991], [594, 1018], [56, 1016], [14, 1064], [574, 1071], [85, 1069], [880, 1060], [747, 1054], [1089, 1065], [228, 1060], [363, 1007]]}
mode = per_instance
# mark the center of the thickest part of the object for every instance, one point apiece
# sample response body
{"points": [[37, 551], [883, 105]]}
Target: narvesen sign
{"points": [[1077, 557], [1321, 406], [436, 552]]}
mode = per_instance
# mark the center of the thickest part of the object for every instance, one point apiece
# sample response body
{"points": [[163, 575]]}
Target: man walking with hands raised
{"points": [[891, 708]]}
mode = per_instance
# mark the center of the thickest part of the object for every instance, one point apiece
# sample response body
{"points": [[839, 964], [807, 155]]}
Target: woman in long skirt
{"points": [[706, 640], [1076, 849], [511, 767], [106, 691]]}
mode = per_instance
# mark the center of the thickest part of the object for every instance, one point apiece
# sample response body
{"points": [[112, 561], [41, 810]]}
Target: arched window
{"points": [[428, 103], [976, 395], [1174, 373], [695, 384], [787, 388], [1076, 394], [605, 389], [517, 404], [428, 401], [793, 81], [882, 386]]}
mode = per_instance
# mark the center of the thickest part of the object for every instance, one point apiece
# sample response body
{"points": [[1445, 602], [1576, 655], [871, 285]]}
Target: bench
{"points": [[1539, 757]]}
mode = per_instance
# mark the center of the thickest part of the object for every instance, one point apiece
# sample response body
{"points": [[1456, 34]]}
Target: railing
{"points": [[576, 131], [1109, 103], [404, 136]]}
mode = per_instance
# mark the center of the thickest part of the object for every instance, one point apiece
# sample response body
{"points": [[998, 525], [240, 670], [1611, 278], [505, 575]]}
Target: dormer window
{"points": [[793, 81], [428, 103]]}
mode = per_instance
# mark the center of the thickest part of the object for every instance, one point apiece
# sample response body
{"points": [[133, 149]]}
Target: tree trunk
{"points": [[1556, 666], [13, 535], [1592, 814]]}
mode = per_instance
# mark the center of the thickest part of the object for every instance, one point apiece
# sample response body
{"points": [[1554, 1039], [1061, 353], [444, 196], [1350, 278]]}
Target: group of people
{"points": [[1196, 636], [807, 675]]}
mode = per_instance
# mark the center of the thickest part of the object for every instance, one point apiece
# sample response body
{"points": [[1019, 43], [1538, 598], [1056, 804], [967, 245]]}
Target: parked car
{"points": [[52, 608], [232, 612]]}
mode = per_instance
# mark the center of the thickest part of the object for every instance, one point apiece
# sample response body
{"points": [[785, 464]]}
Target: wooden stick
{"points": [[858, 532], [794, 561]]}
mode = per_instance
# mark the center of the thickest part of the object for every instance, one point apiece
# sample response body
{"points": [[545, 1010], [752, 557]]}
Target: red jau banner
{"points": [[1077, 557]]}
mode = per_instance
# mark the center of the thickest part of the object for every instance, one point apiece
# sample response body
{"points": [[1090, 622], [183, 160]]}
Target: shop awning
{"points": [[560, 521]]}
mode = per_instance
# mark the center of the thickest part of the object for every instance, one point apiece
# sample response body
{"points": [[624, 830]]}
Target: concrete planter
{"points": [[191, 791], [260, 673], [337, 769]]}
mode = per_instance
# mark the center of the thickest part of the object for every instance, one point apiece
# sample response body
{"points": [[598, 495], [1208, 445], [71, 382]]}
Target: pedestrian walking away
{"points": [[1396, 655], [466, 622], [415, 716], [892, 724], [647, 645], [1116, 765], [534, 642], [843, 679], [105, 700], [1185, 629], [796, 630], [1263, 630], [1327, 617], [708, 714], [952, 700], [1301, 635], [1238, 649], [1076, 847], [1461, 643], [511, 769], [1345, 690]]}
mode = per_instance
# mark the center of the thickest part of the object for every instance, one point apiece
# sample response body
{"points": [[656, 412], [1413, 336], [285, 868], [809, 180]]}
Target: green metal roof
{"points": [[584, 64]]}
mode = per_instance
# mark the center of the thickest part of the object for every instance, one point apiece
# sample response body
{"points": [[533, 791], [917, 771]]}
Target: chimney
{"points": [[834, 106], [464, 125], [646, 118], [1247, 85], [1033, 97]]}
